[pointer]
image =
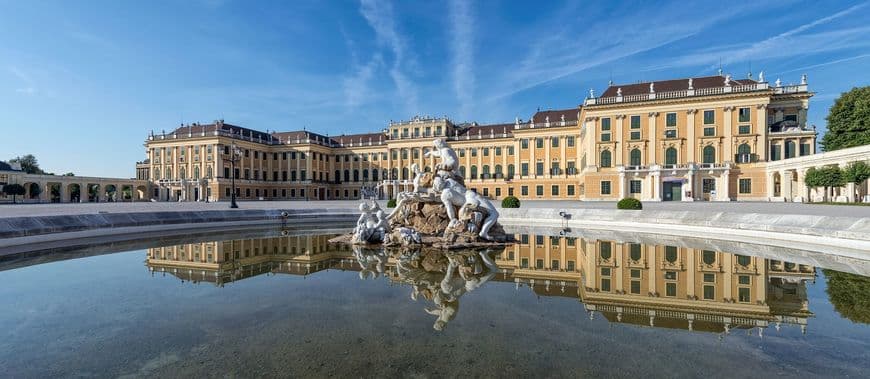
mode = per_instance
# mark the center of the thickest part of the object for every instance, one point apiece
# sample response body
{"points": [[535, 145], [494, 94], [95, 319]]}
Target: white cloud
{"points": [[556, 50], [381, 18], [462, 50], [26, 91], [356, 87]]}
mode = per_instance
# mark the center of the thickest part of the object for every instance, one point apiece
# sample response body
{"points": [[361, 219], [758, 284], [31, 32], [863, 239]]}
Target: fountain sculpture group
{"points": [[439, 212]]}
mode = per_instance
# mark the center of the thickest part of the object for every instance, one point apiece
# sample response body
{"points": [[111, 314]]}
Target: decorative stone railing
{"points": [[693, 92]]}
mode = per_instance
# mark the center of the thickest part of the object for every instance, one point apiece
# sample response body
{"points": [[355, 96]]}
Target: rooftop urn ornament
{"points": [[690, 84], [778, 82], [761, 77], [591, 93], [804, 79], [652, 88]]}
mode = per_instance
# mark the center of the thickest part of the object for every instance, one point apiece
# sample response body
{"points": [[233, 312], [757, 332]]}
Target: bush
{"points": [[510, 202], [391, 203], [629, 203]]}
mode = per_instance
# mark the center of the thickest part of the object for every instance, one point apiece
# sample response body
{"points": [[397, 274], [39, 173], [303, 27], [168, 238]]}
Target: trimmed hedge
{"points": [[510, 202], [391, 203], [629, 203]]}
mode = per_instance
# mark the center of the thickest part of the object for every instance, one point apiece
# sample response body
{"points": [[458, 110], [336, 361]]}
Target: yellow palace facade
{"points": [[694, 139]]}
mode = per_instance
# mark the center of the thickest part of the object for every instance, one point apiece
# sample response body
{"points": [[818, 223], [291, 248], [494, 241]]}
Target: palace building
{"points": [[694, 139]]}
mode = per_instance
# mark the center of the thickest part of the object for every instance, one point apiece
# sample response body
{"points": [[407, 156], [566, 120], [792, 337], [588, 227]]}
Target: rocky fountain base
{"points": [[439, 212]]}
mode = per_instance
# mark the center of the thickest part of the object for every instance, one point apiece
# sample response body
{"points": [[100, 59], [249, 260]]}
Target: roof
{"points": [[356, 139], [485, 130], [4, 166], [672, 85], [571, 114]]}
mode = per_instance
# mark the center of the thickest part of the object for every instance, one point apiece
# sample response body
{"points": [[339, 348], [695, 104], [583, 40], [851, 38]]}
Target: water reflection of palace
{"points": [[630, 283]]}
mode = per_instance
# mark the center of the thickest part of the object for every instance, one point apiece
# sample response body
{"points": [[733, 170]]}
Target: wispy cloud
{"points": [[29, 87], [381, 18], [356, 87], [462, 51], [555, 54], [786, 43], [823, 64]]}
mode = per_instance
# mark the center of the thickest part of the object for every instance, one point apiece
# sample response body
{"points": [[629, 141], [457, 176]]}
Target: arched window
{"points": [[744, 149], [462, 171], [511, 171], [365, 175], [405, 173], [709, 154], [671, 254], [743, 260], [208, 171], [346, 175], [337, 176], [634, 157], [196, 172], [605, 158], [375, 175], [486, 171], [473, 172], [634, 252], [498, 172], [604, 251], [395, 174], [671, 156], [356, 175], [708, 257], [789, 149]]}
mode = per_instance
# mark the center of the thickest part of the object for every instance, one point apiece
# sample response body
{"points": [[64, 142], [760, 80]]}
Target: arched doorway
{"points": [[141, 192], [32, 191], [55, 192], [75, 193], [93, 193], [111, 193]]}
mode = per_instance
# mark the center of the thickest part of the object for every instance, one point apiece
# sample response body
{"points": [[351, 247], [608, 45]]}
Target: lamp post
{"points": [[234, 153]]}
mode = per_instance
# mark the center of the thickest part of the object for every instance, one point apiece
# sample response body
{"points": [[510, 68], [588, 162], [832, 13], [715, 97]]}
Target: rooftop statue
{"points": [[439, 211]]}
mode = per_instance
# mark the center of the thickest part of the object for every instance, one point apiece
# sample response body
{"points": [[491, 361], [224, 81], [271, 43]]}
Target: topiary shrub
{"points": [[391, 203], [510, 202], [629, 203]]}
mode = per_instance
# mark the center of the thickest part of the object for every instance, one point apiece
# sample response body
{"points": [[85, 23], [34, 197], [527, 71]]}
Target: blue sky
{"points": [[83, 82]]}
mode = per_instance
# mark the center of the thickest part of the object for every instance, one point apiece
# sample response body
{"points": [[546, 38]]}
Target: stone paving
{"points": [[23, 210]]}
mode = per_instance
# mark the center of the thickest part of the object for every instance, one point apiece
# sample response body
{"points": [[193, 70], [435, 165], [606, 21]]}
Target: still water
{"points": [[287, 303]]}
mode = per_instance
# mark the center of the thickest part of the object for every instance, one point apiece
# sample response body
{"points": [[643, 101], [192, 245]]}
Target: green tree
{"points": [[15, 190], [28, 163], [825, 177], [850, 295], [849, 120], [856, 172], [69, 174]]}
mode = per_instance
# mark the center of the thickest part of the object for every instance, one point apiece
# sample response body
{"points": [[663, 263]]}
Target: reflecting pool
{"points": [[288, 303]]}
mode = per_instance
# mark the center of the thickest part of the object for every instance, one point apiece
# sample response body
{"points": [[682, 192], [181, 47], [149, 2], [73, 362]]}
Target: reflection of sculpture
{"points": [[438, 211], [372, 262], [445, 277]]}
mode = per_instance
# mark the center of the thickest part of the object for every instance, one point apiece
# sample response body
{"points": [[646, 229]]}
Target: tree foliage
{"points": [[15, 190], [850, 295], [29, 164], [629, 203], [849, 120], [856, 172], [510, 202], [828, 176]]}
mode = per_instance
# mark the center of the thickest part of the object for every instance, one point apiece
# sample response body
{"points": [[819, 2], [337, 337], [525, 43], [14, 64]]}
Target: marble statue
{"points": [[452, 195], [372, 226], [474, 202], [449, 159]]}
